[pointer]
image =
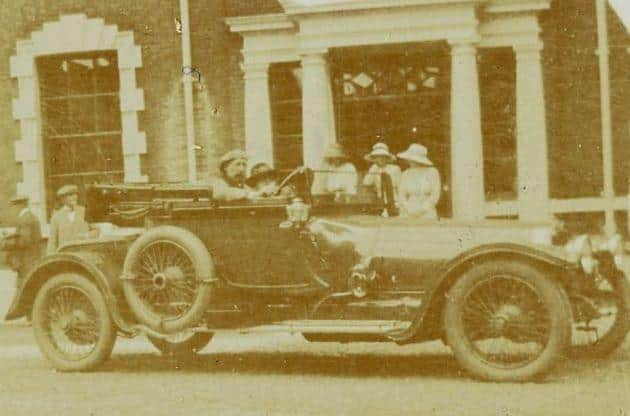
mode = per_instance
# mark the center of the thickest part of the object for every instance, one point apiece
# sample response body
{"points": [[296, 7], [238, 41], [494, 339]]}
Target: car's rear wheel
{"points": [[507, 321], [183, 344], [72, 324]]}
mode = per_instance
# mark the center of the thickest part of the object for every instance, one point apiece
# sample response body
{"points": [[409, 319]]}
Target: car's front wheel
{"points": [[72, 324], [183, 344], [507, 321], [603, 327]]}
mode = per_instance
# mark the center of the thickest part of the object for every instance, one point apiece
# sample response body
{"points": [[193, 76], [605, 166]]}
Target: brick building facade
{"points": [[52, 49]]}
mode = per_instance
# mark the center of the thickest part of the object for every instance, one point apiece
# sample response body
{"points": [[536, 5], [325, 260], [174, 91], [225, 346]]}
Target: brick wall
{"points": [[573, 99], [215, 54]]}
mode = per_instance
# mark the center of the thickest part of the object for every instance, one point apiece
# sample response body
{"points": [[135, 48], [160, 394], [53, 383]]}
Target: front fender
{"points": [[88, 264], [430, 315]]}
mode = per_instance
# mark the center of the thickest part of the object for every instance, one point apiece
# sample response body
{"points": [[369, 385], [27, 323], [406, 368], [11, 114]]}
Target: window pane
{"points": [[80, 71], [107, 113], [106, 72], [56, 117], [53, 81], [59, 157], [83, 115]]}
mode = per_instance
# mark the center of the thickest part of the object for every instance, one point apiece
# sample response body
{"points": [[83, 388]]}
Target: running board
{"points": [[313, 326], [325, 326]]}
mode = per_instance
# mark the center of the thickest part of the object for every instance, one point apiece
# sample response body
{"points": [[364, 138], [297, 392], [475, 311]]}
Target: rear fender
{"points": [[62, 263], [428, 322]]}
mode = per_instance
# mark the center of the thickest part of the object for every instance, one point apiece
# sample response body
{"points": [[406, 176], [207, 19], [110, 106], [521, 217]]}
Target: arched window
{"points": [[81, 124]]}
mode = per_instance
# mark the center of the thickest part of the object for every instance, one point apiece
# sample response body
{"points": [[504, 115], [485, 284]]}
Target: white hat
{"points": [[379, 149], [335, 151], [416, 153]]}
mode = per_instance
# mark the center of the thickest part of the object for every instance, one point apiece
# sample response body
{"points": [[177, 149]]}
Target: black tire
{"points": [[73, 302], [527, 307], [182, 348], [615, 335], [194, 275]]}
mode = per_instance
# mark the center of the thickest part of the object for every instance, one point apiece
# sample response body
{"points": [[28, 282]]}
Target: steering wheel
{"points": [[288, 178]]}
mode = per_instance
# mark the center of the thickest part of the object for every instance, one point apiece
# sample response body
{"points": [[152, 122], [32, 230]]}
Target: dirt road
{"points": [[284, 375]]}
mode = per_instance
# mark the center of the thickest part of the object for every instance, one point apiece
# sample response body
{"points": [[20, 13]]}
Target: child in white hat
{"points": [[382, 162], [420, 184]]}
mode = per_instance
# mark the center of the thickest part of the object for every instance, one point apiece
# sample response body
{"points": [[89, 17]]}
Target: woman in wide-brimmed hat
{"points": [[340, 176], [382, 162], [420, 185]]}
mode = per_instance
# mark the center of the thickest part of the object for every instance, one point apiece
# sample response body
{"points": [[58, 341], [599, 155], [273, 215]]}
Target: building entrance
{"points": [[397, 96]]}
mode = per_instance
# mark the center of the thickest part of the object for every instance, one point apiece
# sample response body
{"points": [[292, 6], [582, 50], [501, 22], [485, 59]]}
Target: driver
{"points": [[230, 185], [263, 178]]}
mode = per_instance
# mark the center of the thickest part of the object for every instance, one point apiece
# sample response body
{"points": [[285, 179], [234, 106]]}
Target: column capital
{"points": [[463, 48], [255, 70], [529, 51], [314, 56]]}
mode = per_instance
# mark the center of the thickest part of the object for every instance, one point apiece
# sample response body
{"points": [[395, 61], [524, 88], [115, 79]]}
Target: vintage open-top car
{"points": [[329, 266]]}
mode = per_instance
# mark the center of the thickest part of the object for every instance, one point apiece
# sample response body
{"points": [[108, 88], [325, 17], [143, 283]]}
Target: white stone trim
{"points": [[73, 33], [512, 6], [559, 206], [327, 6], [259, 23]]}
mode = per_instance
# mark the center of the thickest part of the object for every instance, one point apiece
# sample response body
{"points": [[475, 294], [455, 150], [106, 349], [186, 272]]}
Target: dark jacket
{"points": [[25, 246]]}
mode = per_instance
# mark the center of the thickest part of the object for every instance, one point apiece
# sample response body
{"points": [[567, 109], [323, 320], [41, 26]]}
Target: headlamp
{"points": [[580, 246], [580, 250], [298, 211]]}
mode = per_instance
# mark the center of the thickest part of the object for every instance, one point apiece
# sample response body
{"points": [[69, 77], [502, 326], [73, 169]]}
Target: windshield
{"points": [[345, 186]]}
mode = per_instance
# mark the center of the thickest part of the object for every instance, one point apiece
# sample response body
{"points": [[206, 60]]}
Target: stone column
{"points": [[258, 133], [531, 135], [467, 185], [318, 120]]}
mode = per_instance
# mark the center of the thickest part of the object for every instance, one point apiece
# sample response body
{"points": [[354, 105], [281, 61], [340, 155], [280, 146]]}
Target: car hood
{"points": [[374, 236]]}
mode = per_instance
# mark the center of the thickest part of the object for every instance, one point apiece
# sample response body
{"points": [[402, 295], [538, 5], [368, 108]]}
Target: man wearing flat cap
{"points": [[23, 247], [231, 185], [68, 222]]}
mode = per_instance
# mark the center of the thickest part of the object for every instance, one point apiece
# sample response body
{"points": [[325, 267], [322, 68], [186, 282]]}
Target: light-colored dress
{"points": [[419, 192], [337, 179], [373, 177]]}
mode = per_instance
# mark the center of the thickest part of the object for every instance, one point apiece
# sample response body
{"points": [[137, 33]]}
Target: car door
{"points": [[250, 248]]}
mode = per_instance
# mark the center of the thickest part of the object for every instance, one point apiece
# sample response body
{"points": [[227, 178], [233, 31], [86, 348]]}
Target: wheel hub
{"points": [[159, 281], [506, 314]]}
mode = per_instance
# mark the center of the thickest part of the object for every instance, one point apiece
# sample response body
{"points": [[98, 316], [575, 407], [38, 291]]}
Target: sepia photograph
{"points": [[311, 207]]}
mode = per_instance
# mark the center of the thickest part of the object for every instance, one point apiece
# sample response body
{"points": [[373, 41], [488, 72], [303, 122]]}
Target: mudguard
{"points": [[561, 270], [84, 262]]}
